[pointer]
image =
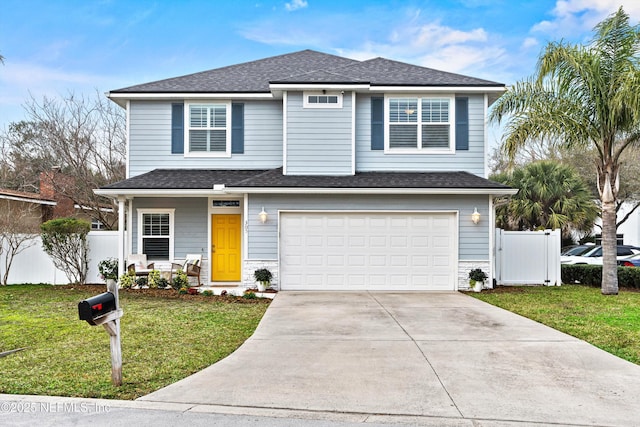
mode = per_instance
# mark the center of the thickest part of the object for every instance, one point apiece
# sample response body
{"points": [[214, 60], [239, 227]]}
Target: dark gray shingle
{"points": [[200, 179], [251, 76], [306, 66]]}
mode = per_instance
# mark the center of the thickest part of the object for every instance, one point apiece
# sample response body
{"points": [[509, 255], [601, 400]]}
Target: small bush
{"points": [[249, 295], [180, 280], [127, 281], [153, 279], [207, 293], [163, 283], [591, 275], [141, 281]]}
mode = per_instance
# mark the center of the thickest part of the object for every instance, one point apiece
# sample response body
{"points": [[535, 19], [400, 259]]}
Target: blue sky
{"points": [[55, 47]]}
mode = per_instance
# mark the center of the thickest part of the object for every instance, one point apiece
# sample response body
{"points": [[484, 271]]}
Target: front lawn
{"points": [[164, 338], [611, 323]]}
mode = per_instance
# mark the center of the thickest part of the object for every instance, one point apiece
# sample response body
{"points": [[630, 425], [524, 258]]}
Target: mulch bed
{"points": [[169, 293]]}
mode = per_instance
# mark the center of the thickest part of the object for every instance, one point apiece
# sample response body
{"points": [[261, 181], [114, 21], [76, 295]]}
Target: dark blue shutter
{"points": [[177, 128], [377, 123], [462, 123], [237, 128]]}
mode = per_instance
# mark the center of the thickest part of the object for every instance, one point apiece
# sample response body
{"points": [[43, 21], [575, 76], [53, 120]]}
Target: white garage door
{"points": [[368, 251]]}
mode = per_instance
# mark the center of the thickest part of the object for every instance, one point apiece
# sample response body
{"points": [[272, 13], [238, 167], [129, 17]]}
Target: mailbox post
{"points": [[104, 309]]}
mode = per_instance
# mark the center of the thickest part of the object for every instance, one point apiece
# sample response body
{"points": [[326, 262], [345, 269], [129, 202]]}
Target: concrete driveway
{"points": [[419, 358]]}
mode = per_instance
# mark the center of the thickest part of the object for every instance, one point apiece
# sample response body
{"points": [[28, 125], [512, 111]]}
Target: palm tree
{"points": [[551, 196], [585, 96]]}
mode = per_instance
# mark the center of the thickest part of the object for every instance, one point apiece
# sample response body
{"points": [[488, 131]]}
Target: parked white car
{"points": [[594, 255]]}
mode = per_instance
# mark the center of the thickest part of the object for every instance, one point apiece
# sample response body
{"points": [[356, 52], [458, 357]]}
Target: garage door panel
{"points": [[356, 260], [376, 251]]}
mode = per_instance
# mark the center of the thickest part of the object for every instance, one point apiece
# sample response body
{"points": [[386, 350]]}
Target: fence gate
{"points": [[528, 257]]}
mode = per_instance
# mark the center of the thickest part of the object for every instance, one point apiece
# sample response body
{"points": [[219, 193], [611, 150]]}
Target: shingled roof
{"points": [[307, 67], [205, 179]]}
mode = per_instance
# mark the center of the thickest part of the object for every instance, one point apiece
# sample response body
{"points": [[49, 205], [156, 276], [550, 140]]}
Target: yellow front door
{"points": [[225, 248]]}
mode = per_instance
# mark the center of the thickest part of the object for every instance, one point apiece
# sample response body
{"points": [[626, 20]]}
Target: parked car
{"points": [[575, 250], [632, 261], [594, 255]]}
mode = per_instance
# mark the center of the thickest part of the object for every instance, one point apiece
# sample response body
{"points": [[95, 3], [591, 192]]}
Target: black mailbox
{"points": [[94, 307]]}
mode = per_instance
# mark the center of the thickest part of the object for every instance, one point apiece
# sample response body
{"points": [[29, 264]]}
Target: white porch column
{"points": [[121, 234]]}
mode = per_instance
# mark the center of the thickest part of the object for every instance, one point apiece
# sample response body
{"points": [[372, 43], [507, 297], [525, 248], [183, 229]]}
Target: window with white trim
{"points": [[155, 233], [322, 100], [209, 128], [419, 123]]}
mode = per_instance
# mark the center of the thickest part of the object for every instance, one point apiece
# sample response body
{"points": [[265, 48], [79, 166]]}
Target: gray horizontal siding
{"points": [[150, 139], [473, 241], [191, 223], [471, 160], [318, 139]]}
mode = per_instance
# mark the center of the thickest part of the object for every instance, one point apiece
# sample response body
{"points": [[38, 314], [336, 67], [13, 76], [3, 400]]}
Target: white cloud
{"points": [[435, 46], [409, 37], [295, 5], [26, 74], [530, 42], [571, 17]]}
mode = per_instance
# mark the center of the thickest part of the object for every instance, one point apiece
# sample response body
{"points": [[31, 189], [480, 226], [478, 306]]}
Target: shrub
{"points": [[180, 280], [163, 283], [127, 281], [65, 241], [591, 275], [153, 281], [207, 293], [249, 295]]}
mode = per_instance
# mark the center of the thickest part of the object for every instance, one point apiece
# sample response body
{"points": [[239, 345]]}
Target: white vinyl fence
{"points": [[33, 265], [528, 257]]}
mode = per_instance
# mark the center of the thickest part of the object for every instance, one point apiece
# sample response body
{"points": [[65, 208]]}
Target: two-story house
{"points": [[334, 173]]}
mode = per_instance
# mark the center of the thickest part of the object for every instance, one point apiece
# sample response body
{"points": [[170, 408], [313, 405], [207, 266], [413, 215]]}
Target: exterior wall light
{"points": [[475, 216], [263, 216]]}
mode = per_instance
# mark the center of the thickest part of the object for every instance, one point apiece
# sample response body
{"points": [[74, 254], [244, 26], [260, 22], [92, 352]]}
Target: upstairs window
{"points": [[209, 128], [322, 100], [419, 124]]}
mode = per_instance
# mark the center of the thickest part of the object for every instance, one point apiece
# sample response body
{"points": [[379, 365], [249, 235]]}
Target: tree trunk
{"points": [[609, 249]]}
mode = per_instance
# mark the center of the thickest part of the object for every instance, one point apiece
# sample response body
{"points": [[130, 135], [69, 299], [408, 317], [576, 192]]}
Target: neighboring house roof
{"points": [[305, 67], [25, 197], [256, 180]]}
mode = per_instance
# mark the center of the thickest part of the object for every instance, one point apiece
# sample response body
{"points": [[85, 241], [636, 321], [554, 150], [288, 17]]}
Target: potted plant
{"points": [[108, 269], [263, 276], [477, 278]]}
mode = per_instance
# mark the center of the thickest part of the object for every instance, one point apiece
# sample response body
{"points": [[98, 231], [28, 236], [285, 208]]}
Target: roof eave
{"points": [[122, 97], [277, 87], [130, 193], [28, 199], [439, 88], [114, 193]]}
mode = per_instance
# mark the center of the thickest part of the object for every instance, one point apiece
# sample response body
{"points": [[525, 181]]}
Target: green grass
{"points": [[611, 323], [164, 339]]}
